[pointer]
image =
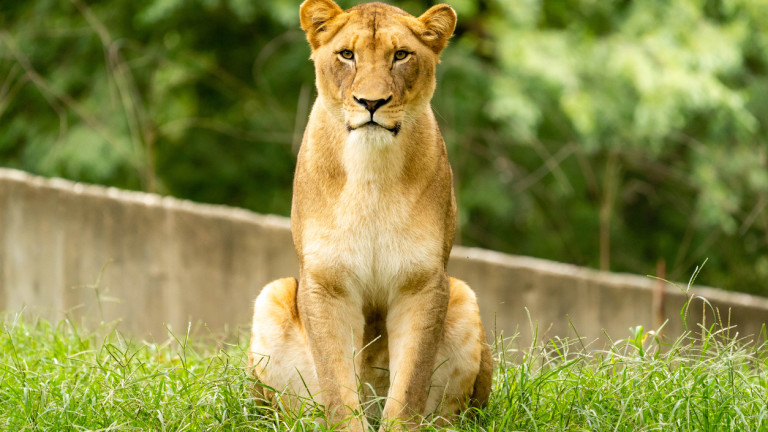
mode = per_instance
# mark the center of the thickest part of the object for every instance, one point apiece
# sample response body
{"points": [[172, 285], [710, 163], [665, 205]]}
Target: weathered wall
{"points": [[161, 261], [157, 260], [562, 297]]}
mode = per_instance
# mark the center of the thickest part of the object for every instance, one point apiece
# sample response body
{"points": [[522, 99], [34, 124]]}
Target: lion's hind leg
{"points": [[279, 354], [463, 367]]}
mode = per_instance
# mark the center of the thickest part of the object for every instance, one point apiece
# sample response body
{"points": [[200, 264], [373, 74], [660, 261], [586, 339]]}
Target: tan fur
{"points": [[374, 314]]}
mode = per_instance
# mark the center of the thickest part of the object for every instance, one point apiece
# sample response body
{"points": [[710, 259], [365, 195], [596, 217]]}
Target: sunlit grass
{"points": [[61, 377], [699, 382]]}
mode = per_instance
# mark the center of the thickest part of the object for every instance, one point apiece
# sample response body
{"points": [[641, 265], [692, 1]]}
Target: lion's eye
{"points": [[347, 54], [401, 55]]}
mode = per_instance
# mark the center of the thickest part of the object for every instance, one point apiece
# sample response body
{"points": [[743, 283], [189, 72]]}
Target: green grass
{"points": [[707, 382], [59, 377]]}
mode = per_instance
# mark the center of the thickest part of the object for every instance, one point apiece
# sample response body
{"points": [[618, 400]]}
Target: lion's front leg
{"points": [[414, 324], [334, 324]]}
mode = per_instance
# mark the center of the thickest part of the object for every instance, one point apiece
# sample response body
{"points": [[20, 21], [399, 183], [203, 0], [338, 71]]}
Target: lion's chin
{"points": [[371, 136], [394, 129]]}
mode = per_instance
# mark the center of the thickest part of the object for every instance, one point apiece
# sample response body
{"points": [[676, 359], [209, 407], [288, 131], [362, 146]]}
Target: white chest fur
{"points": [[374, 237]]}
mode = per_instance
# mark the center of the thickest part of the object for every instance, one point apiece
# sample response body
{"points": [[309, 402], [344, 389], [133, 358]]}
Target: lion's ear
{"points": [[315, 16], [439, 22]]}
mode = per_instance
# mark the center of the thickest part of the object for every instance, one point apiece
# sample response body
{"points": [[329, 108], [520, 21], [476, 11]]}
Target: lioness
{"points": [[373, 219]]}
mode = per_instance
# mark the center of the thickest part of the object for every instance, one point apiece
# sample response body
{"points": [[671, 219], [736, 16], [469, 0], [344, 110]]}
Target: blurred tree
{"points": [[608, 134]]}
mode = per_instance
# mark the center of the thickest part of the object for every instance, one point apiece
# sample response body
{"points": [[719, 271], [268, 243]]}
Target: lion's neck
{"points": [[372, 154]]}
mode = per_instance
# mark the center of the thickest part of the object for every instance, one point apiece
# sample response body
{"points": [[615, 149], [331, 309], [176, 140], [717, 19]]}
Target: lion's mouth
{"points": [[394, 129]]}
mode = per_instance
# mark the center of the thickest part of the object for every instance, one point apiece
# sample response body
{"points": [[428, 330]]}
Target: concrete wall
{"points": [[155, 261]]}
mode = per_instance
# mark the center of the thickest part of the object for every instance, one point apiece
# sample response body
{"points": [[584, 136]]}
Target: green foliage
{"points": [[610, 134], [187, 98], [619, 134]]}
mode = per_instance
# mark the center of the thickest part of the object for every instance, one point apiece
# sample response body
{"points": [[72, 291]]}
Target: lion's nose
{"points": [[372, 105]]}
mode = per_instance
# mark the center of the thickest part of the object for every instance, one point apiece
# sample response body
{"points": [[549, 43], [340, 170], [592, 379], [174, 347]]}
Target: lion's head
{"points": [[374, 63]]}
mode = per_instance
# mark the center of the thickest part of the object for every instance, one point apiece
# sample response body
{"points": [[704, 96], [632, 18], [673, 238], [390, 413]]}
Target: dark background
{"points": [[612, 134]]}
